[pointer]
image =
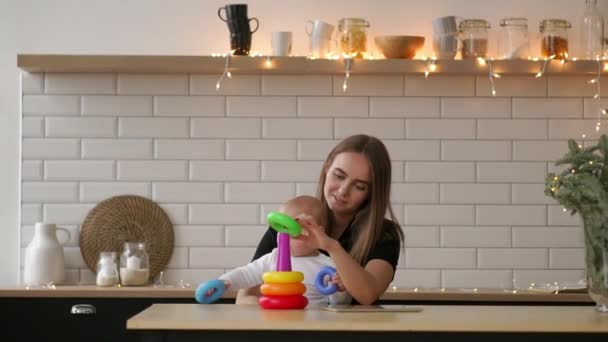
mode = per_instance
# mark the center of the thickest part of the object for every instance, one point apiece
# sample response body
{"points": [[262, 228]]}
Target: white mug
{"points": [[281, 43], [319, 28], [445, 25], [445, 46]]}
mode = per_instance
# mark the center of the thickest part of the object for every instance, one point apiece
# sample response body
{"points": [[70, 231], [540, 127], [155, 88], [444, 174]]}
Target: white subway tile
{"points": [[440, 257], [198, 236], [475, 193], [337, 106], [190, 276], [415, 193], [31, 170], [225, 171], [558, 217], [539, 150], [523, 279], [315, 149], [116, 149], [50, 148], [397, 212], [417, 278], [223, 128], [547, 108], [443, 172], [511, 129], [189, 106], [398, 171], [32, 83], [476, 279], [434, 85], [177, 213], [258, 192], [472, 150], [236, 85], [212, 257], [291, 171], [179, 258], [80, 127], [591, 107], [244, 236], [298, 128], [421, 236], [188, 149], [512, 86], [46, 192], [79, 170], [261, 106], [574, 86], [50, 105], [31, 213], [32, 127], [476, 107], [306, 189], [302, 85], [187, 192], [369, 85], [440, 129], [79, 83], [475, 237], [380, 128], [153, 127], [99, 191], [529, 194], [66, 213], [407, 107], [158, 170], [223, 214], [548, 237], [117, 105], [439, 214], [511, 172], [573, 129], [567, 258], [511, 215], [73, 258], [412, 149], [261, 149], [501, 258], [149, 84]]}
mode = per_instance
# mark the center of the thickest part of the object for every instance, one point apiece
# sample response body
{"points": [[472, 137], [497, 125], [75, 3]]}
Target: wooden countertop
{"points": [[455, 295], [433, 318]]}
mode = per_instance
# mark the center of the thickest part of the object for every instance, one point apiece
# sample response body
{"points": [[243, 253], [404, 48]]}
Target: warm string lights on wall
{"points": [[491, 74], [598, 93], [544, 67], [431, 66], [348, 61], [226, 69]]}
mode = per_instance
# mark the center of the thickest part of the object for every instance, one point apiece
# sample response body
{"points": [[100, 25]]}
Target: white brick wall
{"points": [[468, 168]]}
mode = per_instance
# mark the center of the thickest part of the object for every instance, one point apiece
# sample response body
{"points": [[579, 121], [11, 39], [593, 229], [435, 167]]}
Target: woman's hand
{"points": [[313, 234], [336, 279]]}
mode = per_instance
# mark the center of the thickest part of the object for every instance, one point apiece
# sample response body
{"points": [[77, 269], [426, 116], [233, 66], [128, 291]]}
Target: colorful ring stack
{"points": [[283, 291]]}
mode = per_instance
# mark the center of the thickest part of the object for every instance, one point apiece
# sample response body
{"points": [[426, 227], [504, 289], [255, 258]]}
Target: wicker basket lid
{"points": [[119, 219]]}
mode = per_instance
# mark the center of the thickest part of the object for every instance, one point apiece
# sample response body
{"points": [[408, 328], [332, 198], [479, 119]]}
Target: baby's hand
{"points": [[336, 279]]}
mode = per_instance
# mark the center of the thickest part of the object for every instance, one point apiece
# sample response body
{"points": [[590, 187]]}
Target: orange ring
{"points": [[283, 303], [282, 289]]}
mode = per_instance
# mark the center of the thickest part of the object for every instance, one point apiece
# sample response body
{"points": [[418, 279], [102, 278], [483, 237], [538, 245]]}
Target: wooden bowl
{"points": [[399, 46]]}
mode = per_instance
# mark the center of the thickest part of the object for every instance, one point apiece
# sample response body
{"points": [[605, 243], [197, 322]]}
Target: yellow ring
{"points": [[283, 277], [282, 289]]}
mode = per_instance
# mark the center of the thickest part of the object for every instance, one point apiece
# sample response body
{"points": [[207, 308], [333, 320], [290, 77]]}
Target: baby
{"points": [[303, 258]]}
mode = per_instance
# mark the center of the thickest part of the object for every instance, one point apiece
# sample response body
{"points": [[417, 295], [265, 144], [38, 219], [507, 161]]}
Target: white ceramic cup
{"points": [[445, 25], [319, 28], [445, 46], [281, 43]]}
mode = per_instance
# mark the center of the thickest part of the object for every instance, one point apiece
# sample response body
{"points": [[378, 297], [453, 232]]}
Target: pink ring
{"points": [[283, 302]]}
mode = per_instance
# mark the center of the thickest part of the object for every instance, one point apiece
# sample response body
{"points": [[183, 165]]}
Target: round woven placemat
{"points": [[131, 218]]}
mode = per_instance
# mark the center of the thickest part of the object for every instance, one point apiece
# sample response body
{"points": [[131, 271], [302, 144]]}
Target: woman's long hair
{"points": [[368, 222]]}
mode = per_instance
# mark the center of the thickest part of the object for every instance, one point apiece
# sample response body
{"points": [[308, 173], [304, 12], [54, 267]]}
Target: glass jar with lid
{"points": [[474, 37], [107, 270], [554, 38], [514, 42], [353, 36], [134, 264]]}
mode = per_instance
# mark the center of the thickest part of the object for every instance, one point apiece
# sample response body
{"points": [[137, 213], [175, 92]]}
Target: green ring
{"points": [[284, 223]]}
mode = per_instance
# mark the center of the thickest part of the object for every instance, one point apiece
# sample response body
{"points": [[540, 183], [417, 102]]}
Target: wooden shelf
{"points": [[284, 65]]}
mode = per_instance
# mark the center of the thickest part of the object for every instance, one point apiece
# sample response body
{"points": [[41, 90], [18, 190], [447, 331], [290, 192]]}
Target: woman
{"points": [[355, 187]]}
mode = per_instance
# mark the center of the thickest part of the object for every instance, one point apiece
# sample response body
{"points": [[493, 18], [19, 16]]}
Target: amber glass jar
{"points": [[474, 36], [353, 36], [554, 38]]}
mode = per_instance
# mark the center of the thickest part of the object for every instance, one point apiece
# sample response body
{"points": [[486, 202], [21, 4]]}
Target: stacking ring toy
{"points": [[215, 284], [283, 223], [284, 302], [283, 277], [285, 289], [329, 288]]}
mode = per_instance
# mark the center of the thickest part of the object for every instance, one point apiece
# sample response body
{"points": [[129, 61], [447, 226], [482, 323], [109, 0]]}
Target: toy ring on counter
{"points": [[329, 288], [201, 292], [283, 302], [284, 289], [283, 223], [283, 277]]}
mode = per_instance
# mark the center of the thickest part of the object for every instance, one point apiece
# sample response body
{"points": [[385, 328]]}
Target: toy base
{"points": [[282, 302]]}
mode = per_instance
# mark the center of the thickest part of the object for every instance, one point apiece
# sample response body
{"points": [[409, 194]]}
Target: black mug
{"points": [[233, 12], [240, 43], [242, 26], [238, 24]]}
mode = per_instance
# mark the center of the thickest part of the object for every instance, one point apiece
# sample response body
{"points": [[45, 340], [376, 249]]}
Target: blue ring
{"points": [[320, 283], [203, 288]]}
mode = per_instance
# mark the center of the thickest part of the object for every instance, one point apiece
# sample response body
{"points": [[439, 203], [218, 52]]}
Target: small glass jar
{"points": [[554, 38], [514, 42], [134, 264], [107, 269], [474, 37], [353, 36]]}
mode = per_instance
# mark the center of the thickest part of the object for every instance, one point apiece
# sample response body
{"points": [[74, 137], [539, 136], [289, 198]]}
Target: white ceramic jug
{"points": [[44, 259]]}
